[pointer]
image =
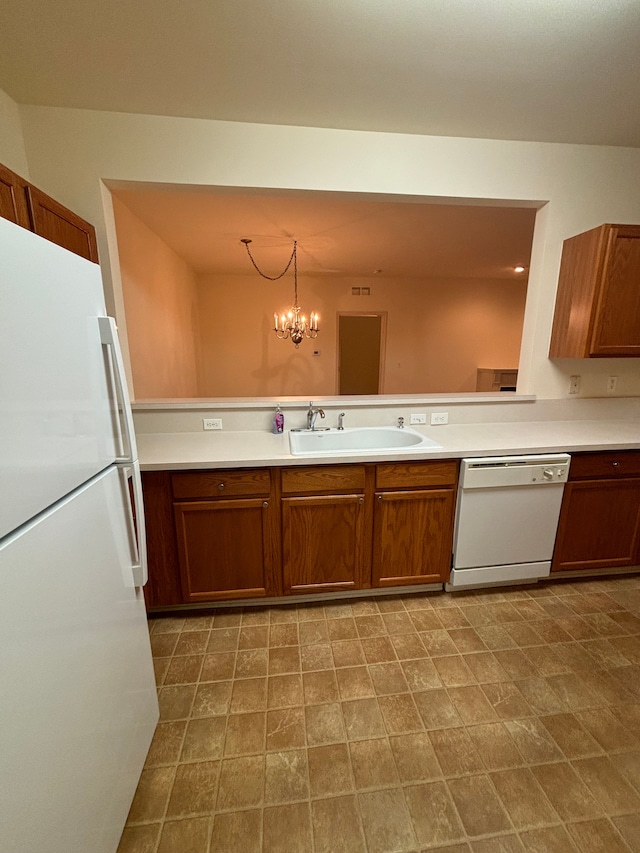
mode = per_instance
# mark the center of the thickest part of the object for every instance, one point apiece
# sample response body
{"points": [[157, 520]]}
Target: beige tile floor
{"points": [[488, 722]]}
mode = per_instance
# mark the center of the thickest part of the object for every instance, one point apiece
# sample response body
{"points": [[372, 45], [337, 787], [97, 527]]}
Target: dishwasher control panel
{"points": [[496, 471]]}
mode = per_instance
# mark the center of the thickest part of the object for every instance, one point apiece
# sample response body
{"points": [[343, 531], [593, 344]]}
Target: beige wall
{"points": [[12, 150], [71, 151], [240, 353], [160, 300], [438, 333]]}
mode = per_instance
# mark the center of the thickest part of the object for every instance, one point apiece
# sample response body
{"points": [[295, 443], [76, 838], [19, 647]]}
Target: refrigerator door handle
{"points": [[132, 498], [123, 415]]}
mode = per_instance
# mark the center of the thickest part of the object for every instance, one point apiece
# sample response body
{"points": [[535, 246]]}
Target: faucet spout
{"points": [[312, 415]]}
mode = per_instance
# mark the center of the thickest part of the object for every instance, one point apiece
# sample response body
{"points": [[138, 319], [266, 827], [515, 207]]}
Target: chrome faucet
{"points": [[400, 423], [341, 420], [312, 414]]}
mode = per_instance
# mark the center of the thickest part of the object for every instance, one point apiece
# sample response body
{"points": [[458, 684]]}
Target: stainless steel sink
{"points": [[358, 440]]}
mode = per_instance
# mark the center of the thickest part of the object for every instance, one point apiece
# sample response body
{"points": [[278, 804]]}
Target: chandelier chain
{"points": [[292, 325], [284, 271]]}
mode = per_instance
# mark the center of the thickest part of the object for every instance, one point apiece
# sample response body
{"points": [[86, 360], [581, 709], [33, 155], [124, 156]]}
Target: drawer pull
{"points": [[615, 464], [265, 504], [360, 500], [220, 486]]}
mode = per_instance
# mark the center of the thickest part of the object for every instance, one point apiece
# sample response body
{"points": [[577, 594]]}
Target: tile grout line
{"points": [[599, 666]]}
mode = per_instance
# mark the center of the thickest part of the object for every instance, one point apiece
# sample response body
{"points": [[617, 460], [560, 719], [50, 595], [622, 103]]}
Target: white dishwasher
{"points": [[506, 519]]}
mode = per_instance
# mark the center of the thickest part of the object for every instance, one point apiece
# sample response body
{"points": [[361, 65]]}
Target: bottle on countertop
{"points": [[278, 421]]}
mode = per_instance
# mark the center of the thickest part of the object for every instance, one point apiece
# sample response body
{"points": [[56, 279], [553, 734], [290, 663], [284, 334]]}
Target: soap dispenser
{"points": [[278, 421]]}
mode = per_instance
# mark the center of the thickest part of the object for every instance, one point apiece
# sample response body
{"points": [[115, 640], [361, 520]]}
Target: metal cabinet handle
{"points": [[379, 497], [360, 500], [221, 486], [265, 504], [615, 464]]}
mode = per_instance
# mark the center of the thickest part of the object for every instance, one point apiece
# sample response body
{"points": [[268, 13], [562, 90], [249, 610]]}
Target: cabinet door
{"points": [[225, 549], [13, 201], [323, 543], [616, 328], [55, 222], [413, 537], [599, 525]]}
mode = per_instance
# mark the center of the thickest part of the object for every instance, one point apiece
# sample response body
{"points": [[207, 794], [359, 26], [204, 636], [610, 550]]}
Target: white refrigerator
{"points": [[78, 703]]}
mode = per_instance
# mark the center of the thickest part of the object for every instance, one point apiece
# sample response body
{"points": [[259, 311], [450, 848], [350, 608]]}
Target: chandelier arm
{"points": [[259, 271]]}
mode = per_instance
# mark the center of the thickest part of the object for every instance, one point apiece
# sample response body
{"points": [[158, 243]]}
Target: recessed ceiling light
{"points": [[518, 269]]}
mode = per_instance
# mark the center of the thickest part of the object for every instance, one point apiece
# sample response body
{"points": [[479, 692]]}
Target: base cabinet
{"points": [[325, 540], [323, 543], [223, 548], [413, 537], [599, 525], [413, 523], [227, 543], [251, 533]]}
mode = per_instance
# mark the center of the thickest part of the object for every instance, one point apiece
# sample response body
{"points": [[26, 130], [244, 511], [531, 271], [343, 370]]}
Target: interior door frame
{"points": [[383, 344]]}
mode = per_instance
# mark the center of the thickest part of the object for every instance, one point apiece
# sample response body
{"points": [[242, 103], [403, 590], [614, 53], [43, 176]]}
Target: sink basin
{"points": [[358, 440]]}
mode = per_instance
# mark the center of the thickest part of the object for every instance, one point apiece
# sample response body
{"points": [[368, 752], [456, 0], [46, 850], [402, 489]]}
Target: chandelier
{"points": [[292, 324]]}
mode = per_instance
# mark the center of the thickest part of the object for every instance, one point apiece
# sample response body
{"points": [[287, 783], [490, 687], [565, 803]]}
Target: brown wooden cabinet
{"points": [[599, 525], [413, 522], [29, 207], [13, 198], [326, 538], [597, 311], [247, 533], [226, 531]]}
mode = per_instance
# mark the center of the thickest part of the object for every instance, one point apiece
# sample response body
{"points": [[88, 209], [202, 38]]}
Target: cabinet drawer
{"points": [[615, 463], [409, 475], [329, 478], [214, 484]]}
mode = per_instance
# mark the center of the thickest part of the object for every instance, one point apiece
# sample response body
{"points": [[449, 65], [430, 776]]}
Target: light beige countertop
{"points": [[251, 448]]}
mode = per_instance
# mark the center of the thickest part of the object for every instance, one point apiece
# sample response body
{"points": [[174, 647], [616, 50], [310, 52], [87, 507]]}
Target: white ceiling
{"points": [[337, 233], [542, 70]]}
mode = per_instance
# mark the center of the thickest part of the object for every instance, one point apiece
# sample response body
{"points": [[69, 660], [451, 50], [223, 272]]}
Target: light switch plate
{"points": [[212, 423]]}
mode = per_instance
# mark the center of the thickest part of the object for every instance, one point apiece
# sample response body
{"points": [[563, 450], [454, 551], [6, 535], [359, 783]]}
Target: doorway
{"points": [[360, 344]]}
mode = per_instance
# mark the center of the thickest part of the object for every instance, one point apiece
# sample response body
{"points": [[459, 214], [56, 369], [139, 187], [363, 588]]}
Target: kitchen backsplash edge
{"points": [[187, 416]]}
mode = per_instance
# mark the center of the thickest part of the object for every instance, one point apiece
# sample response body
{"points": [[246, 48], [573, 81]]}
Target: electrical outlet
{"points": [[418, 419], [612, 383], [212, 423], [439, 418], [574, 384]]}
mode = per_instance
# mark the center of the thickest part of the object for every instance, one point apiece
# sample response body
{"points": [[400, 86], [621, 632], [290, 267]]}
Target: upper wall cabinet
{"points": [[598, 302], [28, 206], [13, 198]]}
